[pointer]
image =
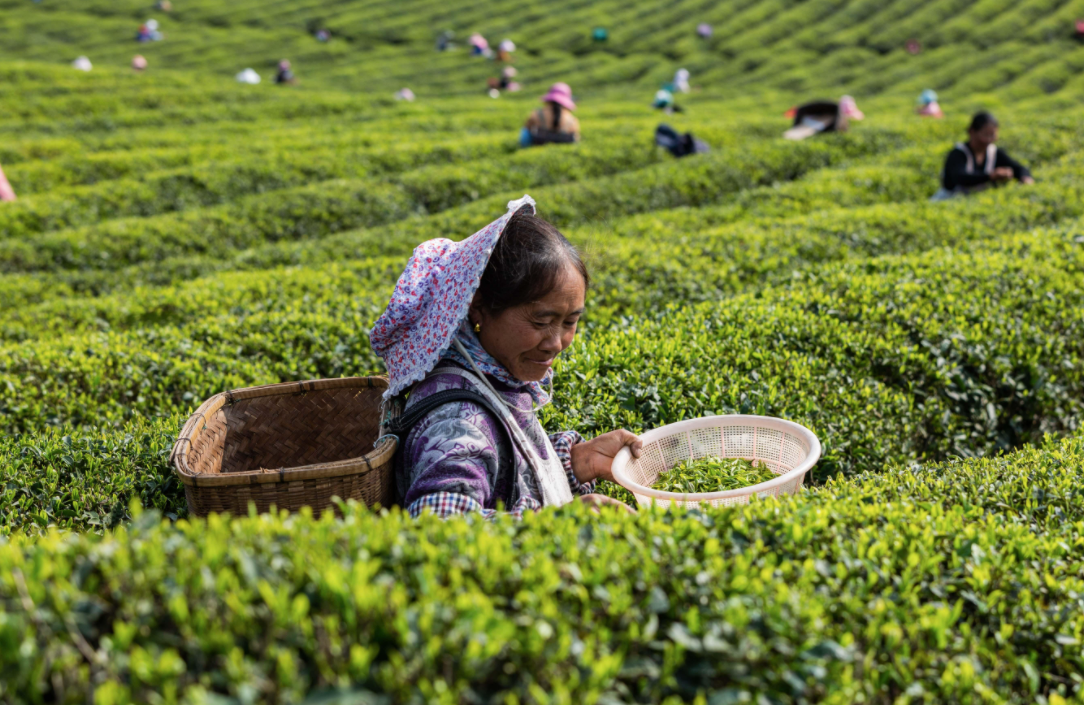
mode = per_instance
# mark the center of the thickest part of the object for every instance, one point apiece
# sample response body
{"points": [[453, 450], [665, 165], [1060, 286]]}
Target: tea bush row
{"points": [[896, 358], [891, 359], [775, 45], [636, 263], [736, 225], [358, 157], [317, 210], [946, 583], [397, 238], [217, 183], [160, 250]]}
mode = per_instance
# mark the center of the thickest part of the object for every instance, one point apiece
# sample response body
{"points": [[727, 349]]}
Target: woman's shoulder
{"points": [[438, 380], [569, 122], [450, 375], [452, 416]]}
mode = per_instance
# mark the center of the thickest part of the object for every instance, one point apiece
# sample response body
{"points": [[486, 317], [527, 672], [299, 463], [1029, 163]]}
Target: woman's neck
{"points": [[978, 150]]}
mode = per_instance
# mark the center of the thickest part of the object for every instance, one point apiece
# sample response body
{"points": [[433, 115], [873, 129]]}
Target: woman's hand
{"points": [[591, 460], [1027, 180], [1002, 173], [594, 501]]}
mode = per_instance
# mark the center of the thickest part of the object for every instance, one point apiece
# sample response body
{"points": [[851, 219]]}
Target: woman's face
{"points": [[985, 137], [527, 339]]}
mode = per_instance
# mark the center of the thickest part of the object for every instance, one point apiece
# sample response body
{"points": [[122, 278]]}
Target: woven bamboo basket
{"points": [[288, 445], [788, 449]]}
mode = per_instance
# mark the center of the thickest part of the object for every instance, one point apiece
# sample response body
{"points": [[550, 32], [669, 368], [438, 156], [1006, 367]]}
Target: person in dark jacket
{"points": [[285, 74], [978, 163]]}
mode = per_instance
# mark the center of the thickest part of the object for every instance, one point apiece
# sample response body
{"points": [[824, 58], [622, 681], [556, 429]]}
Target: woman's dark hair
{"points": [[526, 263], [981, 120], [556, 115]]}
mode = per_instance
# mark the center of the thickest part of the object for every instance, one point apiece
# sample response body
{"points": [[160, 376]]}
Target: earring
{"points": [[477, 327]]}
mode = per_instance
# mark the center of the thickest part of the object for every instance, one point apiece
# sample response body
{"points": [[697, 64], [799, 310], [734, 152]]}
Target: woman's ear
{"points": [[474, 313]]}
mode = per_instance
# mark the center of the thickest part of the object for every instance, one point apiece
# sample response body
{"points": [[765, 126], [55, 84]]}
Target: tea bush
{"points": [[946, 583], [894, 359], [313, 211]]}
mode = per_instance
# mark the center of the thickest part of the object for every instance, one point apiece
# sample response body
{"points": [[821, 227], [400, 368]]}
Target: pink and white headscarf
{"points": [[428, 309]]}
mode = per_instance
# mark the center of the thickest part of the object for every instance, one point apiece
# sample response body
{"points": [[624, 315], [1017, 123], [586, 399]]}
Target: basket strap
{"points": [[401, 425]]}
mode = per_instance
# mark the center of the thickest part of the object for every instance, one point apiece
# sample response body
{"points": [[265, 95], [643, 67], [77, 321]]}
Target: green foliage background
{"points": [[178, 234]]}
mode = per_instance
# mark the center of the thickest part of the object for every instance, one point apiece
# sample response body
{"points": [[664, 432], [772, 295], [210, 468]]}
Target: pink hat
{"points": [[431, 299], [849, 107], [561, 94]]}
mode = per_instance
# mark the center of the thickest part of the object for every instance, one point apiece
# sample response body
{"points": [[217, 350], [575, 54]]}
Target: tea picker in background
{"points": [[704, 30], [504, 83], [405, 94], [554, 121], [148, 32], [82, 63], [600, 34], [664, 97], [505, 49], [471, 333], [139, 63], [815, 118], [444, 40], [664, 101], [6, 192], [285, 75], [681, 81], [479, 46], [978, 164], [163, 6], [849, 108], [677, 144], [928, 105]]}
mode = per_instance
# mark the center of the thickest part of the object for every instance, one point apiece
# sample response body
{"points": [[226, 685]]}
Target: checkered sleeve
{"points": [[449, 504], [562, 443]]}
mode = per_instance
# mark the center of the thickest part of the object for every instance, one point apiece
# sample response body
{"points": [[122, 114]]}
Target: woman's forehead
{"points": [[566, 294]]}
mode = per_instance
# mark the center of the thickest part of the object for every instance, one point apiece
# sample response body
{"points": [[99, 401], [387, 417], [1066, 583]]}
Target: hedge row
{"points": [[388, 40], [636, 263], [639, 266], [85, 481], [232, 227], [238, 294], [306, 157], [888, 360], [952, 583], [219, 183], [897, 358], [217, 233], [611, 200]]}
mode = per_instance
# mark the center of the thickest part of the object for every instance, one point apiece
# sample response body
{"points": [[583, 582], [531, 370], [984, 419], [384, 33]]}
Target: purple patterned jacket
{"points": [[455, 460]]}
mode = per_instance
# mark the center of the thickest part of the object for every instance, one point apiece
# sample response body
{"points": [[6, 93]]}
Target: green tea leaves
{"points": [[713, 475]]}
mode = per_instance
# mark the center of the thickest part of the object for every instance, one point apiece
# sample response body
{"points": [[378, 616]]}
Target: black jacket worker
{"points": [[979, 163]]}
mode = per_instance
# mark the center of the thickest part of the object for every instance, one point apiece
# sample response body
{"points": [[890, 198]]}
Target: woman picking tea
{"points": [[470, 337]]}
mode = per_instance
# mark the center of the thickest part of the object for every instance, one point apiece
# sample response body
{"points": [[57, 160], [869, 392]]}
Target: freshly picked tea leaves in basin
{"points": [[713, 475]]}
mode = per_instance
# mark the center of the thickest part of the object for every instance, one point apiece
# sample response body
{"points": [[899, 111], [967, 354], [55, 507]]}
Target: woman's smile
{"points": [[526, 339]]}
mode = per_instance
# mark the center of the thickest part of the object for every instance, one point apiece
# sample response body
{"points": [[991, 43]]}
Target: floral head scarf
{"points": [[430, 303]]}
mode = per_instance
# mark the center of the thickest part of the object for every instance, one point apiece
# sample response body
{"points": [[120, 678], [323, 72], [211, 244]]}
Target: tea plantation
{"points": [[178, 233]]}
